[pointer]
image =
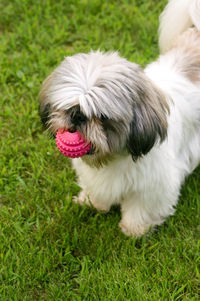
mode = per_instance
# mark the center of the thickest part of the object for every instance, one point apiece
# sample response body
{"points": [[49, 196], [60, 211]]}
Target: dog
{"points": [[143, 125]]}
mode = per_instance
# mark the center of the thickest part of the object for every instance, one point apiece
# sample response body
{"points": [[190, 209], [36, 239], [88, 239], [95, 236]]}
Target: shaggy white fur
{"points": [[149, 189], [177, 17], [144, 125]]}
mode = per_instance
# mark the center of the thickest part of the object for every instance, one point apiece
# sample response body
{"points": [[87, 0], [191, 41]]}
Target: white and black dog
{"points": [[143, 125]]}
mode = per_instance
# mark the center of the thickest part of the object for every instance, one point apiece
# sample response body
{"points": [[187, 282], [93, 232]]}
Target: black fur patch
{"points": [[146, 129]]}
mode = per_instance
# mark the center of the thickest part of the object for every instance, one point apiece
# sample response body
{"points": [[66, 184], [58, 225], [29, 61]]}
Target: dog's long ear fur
{"points": [[149, 123]]}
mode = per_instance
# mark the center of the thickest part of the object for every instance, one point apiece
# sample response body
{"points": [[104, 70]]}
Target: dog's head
{"points": [[109, 100]]}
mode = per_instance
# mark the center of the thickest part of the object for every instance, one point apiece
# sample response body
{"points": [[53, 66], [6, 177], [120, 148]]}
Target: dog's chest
{"points": [[112, 181]]}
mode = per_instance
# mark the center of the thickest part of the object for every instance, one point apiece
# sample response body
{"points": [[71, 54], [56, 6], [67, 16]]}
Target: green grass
{"points": [[50, 248]]}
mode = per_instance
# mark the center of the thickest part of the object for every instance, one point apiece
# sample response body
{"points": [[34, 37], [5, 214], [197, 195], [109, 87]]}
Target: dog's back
{"points": [[179, 37], [177, 17]]}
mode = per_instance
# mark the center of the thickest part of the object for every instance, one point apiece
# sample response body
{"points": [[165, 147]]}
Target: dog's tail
{"points": [[177, 17]]}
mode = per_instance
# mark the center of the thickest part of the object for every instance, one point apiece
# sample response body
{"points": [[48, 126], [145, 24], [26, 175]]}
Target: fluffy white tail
{"points": [[177, 16]]}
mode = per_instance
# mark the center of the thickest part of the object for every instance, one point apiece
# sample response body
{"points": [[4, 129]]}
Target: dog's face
{"points": [[109, 100]]}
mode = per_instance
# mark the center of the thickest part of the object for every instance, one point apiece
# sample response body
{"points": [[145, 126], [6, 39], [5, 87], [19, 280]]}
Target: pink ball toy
{"points": [[72, 145]]}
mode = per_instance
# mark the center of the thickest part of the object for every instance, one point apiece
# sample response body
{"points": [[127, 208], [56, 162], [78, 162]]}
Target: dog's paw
{"points": [[84, 199], [100, 207], [133, 230]]}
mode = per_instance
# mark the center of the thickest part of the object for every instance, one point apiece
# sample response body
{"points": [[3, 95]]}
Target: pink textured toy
{"points": [[72, 145]]}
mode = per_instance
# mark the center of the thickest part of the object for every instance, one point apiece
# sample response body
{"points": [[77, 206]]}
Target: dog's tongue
{"points": [[71, 145]]}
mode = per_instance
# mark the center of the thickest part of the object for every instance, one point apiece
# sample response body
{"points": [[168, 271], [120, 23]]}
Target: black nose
{"points": [[72, 130]]}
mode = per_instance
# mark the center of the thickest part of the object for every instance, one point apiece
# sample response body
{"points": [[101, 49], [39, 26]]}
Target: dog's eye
{"points": [[77, 117], [103, 117], [80, 117]]}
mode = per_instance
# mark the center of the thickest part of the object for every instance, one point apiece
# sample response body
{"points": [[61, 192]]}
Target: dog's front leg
{"points": [[84, 198], [133, 222], [144, 210]]}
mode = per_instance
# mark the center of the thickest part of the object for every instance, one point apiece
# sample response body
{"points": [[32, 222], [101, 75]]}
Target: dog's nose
{"points": [[71, 130]]}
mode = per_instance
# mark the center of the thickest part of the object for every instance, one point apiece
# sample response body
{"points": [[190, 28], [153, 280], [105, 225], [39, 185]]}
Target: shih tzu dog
{"points": [[143, 125]]}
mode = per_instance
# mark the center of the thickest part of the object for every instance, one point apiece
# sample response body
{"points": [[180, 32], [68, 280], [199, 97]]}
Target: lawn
{"points": [[50, 248]]}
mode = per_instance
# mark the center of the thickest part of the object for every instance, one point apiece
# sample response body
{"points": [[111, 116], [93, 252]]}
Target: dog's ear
{"points": [[45, 107], [44, 112], [149, 121]]}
